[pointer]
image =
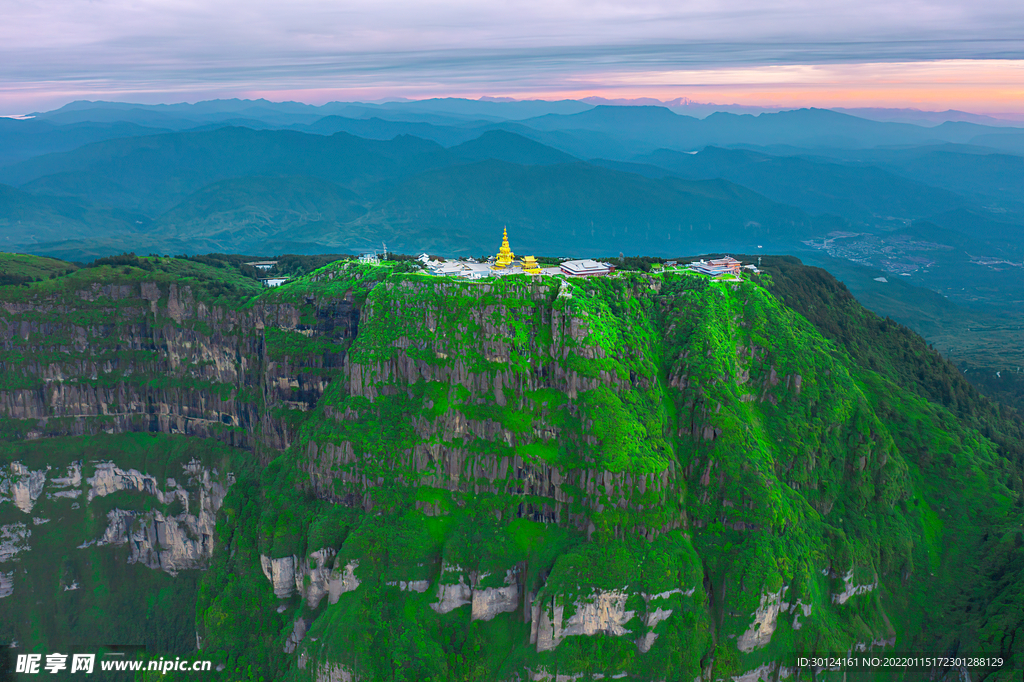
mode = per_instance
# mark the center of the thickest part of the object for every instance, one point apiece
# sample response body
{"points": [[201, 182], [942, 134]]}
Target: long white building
{"points": [[585, 268]]}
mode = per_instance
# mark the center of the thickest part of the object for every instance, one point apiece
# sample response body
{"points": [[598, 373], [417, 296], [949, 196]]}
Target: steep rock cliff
{"points": [[168, 361], [652, 412]]}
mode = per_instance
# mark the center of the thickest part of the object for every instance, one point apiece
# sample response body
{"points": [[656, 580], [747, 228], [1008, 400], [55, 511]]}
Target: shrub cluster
{"points": [[15, 280], [129, 259]]}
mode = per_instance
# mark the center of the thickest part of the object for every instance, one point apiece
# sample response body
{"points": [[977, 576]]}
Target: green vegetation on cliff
{"points": [[71, 586], [650, 474], [800, 512]]}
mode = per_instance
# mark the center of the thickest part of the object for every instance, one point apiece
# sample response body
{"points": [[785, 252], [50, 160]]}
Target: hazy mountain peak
{"points": [[508, 146]]}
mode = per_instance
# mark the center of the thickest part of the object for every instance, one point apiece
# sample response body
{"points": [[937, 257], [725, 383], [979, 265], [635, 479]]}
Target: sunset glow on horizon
{"points": [[977, 86], [789, 54]]}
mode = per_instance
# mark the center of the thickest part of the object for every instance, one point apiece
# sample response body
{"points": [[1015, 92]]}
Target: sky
{"points": [[925, 54]]}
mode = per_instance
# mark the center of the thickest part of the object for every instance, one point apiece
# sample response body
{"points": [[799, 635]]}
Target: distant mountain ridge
{"points": [[446, 174], [579, 208], [816, 186], [27, 220], [162, 170], [807, 127], [719, 126], [239, 190]]}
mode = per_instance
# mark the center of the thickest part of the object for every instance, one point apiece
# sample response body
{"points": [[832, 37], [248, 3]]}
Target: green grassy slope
{"points": [[893, 350], [16, 268]]}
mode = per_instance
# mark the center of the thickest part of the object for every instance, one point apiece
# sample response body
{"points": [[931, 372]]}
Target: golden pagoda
{"points": [[505, 254], [531, 266]]}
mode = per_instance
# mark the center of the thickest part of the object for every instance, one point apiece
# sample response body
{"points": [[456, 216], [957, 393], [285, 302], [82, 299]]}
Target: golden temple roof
{"points": [[505, 254]]}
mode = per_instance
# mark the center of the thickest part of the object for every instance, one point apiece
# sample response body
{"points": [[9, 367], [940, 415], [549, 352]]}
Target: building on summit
{"points": [[505, 263], [717, 266], [506, 260], [505, 255], [446, 268], [468, 268], [262, 264], [585, 268]]}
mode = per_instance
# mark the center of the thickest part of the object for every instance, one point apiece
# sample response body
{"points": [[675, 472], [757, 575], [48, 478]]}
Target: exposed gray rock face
{"points": [[13, 539], [546, 628], [72, 479], [874, 643], [543, 675], [343, 581], [317, 568], [119, 528], [168, 543], [604, 612], [297, 633], [333, 672], [228, 349], [281, 574], [656, 614], [485, 602], [489, 602], [451, 596], [765, 621], [646, 641], [109, 478], [805, 610], [766, 617], [852, 590], [765, 673], [420, 586], [22, 486], [288, 576]]}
